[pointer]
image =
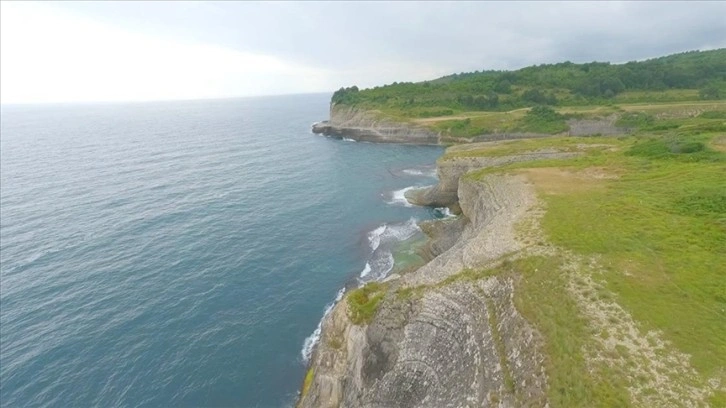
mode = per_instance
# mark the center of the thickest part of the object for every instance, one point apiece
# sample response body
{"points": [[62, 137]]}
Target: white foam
{"points": [[377, 268], [445, 212], [398, 197], [366, 270], [421, 172], [401, 232], [382, 265], [349, 140], [374, 237], [313, 339]]}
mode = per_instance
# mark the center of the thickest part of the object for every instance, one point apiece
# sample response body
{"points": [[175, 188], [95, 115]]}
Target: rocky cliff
{"points": [[445, 193], [371, 126], [438, 340], [367, 126]]}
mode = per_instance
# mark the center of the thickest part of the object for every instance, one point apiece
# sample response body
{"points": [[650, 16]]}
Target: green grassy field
{"points": [[654, 217], [632, 300]]}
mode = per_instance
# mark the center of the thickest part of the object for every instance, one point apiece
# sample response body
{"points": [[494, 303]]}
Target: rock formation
{"points": [[438, 341], [368, 126]]}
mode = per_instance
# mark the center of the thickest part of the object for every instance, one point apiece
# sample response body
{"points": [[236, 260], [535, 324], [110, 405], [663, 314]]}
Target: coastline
{"points": [[466, 329], [354, 365]]}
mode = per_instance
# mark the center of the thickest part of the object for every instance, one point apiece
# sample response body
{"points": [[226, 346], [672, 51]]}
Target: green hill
{"points": [[687, 76]]}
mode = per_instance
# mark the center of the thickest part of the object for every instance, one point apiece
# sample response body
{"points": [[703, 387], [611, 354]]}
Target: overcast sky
{"points": [[110, 51]]}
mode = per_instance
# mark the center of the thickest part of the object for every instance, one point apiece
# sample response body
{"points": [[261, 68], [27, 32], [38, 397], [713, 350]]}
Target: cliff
{"points": [[532, 296], [438, 340], [356, 124], [366, 126]]}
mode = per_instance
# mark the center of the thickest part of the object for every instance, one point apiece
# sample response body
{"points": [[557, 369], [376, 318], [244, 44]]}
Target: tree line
{"points": [[551, 84]]}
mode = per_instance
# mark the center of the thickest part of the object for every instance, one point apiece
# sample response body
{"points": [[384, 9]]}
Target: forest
{"points": [[685, 76]]}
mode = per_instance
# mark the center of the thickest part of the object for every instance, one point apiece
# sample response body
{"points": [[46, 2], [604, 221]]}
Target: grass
{"points": [[656, 217], [573, 382], [636, 112], [469, 124], [539, 296], [308, 381], [363, 302], [499, 345], [651, 208], [511, 147], [661, 229]]}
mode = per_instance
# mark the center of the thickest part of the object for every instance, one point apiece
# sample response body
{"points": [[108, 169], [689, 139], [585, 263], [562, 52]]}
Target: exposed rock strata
{"points": [[364, 126], [456, 345], [588, 127], [444, 194], [370, 126]]}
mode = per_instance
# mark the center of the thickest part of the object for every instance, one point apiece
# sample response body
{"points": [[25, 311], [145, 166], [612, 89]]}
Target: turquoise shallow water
{"points": [[180, 253]]}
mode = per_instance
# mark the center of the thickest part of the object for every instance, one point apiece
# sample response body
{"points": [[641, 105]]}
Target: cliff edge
{"points": [[439, 339], [366, 126]]}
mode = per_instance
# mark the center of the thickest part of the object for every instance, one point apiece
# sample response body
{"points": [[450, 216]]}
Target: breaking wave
{"points": [[381, 240], [421, 172], [312, 340], [398, 197]]}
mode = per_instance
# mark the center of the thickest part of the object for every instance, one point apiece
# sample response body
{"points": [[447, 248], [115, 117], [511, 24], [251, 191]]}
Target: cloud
{"points": [[51, 57], [199, 49]]}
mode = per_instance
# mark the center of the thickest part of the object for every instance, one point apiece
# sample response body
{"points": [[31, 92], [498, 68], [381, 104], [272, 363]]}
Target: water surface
{"points": [[180, 253]]}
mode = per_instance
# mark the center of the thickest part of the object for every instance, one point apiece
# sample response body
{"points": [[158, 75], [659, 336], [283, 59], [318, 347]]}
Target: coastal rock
{"points": [[447, 344], [442, 234], [444, 194], [347, 122], [367, 126], [589, 127]]}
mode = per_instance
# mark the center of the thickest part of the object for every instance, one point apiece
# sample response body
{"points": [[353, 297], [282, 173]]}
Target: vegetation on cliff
{"points": [[479, 103], [690, 75], [363, 302], [650, 211], [622, 272]]}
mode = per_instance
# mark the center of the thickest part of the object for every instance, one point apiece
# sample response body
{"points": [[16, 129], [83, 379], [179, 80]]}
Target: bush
{"points": [[680, 148], [713, 115], [635, 120], [543, 119], [363, 302], [345, 95], [709, 92]]}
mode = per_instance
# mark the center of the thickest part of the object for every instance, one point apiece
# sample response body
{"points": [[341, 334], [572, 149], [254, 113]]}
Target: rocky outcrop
{"points": [[458, 346], [444, 194], [367, 126], [437, 342], [442, 234], [371, 126], [589, 127]]}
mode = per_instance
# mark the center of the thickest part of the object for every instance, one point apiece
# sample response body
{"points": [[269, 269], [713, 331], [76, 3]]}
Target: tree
{"points": [[709, 92]]}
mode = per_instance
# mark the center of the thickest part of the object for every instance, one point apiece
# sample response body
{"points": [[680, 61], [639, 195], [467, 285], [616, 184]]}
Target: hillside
{"points": [[578, 271], [687, 76]]}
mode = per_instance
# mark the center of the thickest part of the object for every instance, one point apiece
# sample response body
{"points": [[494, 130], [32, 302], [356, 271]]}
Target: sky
{"points": [[139, 51]]}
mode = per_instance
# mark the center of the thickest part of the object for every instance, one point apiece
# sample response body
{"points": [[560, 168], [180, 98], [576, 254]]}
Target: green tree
{"points": [[709, 92]]}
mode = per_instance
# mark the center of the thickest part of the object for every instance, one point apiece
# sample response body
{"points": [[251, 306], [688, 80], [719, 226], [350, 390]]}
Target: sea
{"points": [[182, 254]]}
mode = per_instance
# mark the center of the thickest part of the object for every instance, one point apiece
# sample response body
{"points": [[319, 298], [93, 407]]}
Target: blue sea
{"points": [[182, 254]]}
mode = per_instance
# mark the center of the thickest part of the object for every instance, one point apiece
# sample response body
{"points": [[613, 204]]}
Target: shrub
{"points": [[363, 302], [635, 120]]}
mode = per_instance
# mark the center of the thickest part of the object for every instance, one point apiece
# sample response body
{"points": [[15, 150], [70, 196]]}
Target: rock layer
{"points": [[458, 344], [444, 194], [367, 126], [371, 126]]}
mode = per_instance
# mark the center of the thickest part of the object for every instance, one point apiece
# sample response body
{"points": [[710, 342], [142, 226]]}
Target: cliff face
{"points": [[448, 343], [364, 126], [368, 126], [445, 193]]}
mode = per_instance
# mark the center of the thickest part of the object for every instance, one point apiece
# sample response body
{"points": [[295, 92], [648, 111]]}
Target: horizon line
{"points": [[139, 101]]}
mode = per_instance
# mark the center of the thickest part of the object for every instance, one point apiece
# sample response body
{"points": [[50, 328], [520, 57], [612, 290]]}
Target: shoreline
{"points": [[482, 234]]}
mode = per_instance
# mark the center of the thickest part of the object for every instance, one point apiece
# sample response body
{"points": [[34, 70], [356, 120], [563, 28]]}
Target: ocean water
{"points": [[183, 253]]}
